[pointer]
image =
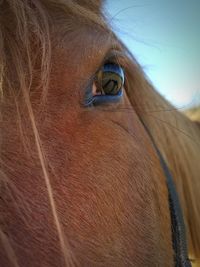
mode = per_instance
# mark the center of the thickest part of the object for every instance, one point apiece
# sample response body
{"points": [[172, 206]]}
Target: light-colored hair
{"points": [[30, 30]]}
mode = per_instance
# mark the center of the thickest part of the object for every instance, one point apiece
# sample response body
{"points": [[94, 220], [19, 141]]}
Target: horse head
{"points": [[85, 141]]}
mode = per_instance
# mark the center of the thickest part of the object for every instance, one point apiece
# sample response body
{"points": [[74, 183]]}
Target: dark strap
{"points": [[177, 223]]}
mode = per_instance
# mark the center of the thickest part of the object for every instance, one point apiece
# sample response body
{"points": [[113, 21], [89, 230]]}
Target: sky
{"points": [[164, 36]]}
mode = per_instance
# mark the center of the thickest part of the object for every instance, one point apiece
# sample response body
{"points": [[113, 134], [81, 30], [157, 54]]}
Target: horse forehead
{"points": [[82, 51], [74, 63]]}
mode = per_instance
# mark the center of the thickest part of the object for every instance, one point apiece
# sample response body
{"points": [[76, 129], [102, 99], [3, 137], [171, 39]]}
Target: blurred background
{"points": [[164, 36]]}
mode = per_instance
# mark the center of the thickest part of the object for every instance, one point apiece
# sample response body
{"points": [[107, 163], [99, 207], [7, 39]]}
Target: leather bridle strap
{"points": [[177, 223]]}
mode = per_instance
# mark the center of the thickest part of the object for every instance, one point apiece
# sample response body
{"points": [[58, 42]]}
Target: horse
{"points": [[88, 146]]}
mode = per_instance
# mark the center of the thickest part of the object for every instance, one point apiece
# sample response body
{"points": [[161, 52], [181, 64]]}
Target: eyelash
{"points": [[106, 86]]}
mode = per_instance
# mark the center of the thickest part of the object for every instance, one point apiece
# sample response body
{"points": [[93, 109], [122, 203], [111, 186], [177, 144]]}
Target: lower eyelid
{"points": [[103, 99]]}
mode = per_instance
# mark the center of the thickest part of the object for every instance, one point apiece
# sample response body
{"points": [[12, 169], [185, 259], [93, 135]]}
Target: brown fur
{"points": [[83, 186]]}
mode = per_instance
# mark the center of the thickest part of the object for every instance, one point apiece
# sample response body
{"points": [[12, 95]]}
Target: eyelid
{"points": [[98, 99], [112, 56]]}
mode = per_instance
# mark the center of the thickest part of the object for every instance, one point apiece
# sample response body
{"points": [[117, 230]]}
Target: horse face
{"points": [[108, 186]]}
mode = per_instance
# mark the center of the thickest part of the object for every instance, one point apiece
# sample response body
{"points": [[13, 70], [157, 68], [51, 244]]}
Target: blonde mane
{"points": [[31, 29], [23, 39]]}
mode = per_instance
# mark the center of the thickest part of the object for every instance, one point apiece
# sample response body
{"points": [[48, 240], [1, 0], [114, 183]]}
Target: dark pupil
{"points": [[111, 83]]}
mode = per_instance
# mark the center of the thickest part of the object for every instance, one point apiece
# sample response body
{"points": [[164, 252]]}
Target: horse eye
{"points": [[109, 80], [107, 86]]}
